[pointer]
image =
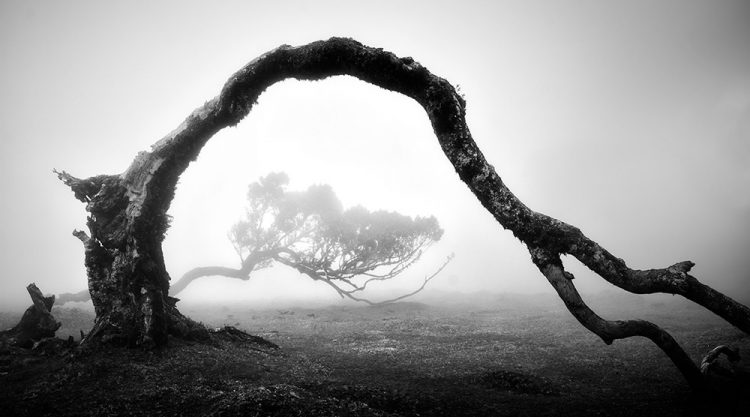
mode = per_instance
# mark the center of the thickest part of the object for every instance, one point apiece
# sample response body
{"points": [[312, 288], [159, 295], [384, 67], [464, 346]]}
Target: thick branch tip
{"points": [[682, 267]]}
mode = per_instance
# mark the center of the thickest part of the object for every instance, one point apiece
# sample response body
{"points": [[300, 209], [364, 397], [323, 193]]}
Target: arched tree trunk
{"points": [[128, 280]]}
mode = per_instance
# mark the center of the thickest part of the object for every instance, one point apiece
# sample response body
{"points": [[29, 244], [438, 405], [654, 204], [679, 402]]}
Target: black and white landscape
{"points": [[334, 208]]}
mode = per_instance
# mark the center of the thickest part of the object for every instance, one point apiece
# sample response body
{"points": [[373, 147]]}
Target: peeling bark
{"points": [[128, 280]]}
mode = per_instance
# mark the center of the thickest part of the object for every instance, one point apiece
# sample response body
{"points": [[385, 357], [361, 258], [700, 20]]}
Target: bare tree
{"points": [[129, 283]]}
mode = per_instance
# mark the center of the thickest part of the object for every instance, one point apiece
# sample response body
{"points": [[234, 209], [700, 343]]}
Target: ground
{"points": [[490, 356]]}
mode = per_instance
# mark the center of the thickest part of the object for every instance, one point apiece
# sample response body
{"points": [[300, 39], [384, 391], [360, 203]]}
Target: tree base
{"points": [[109, 331]]}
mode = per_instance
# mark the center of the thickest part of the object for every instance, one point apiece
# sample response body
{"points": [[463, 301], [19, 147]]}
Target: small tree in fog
{"points": [[310, 232]]}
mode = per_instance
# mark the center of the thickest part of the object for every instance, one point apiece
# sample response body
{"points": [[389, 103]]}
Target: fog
{"points": [[629, 120]]}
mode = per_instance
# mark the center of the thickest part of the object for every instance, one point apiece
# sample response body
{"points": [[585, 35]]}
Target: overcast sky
{"points": [[629, 119]]}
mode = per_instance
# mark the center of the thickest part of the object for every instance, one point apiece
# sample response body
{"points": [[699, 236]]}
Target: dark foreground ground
{"points": [[496, 356]]}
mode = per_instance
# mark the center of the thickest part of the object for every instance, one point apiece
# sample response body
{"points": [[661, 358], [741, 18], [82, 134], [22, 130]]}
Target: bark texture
{"points": [[36, 323], [129, 283]]}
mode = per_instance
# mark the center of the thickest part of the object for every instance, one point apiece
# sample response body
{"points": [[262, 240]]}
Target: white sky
{"points": [[630, 120]]}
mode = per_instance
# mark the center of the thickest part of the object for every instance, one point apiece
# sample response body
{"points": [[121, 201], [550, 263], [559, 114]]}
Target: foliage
{"points": [[311, 232]]}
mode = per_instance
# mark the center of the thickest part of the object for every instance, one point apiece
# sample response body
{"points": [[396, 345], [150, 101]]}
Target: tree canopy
{"points": [[311, 232]]}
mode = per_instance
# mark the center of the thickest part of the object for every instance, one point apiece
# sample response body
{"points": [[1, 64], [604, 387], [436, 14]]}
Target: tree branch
{"points": [[551, 266], [399, 298], [206, 271], [248, 265], [82, 295], [671, 280], [306, 270]]}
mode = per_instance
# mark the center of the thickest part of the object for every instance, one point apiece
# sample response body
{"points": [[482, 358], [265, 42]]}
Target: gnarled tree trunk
{"points": [[129, 283]]}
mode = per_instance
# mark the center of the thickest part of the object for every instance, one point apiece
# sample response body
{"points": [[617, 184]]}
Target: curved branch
{"points": [[399, 298], [207, 271], [551, 266], [248, 265], [671, 280]]}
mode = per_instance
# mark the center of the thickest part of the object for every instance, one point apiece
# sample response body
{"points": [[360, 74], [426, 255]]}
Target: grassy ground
{"points": [[491, 357]]}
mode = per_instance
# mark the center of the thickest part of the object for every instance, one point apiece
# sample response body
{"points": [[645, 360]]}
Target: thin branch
{"points": [[424, 284], [350, 293]]}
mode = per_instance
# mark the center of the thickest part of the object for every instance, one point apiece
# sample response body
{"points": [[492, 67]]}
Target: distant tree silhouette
{"points": [[310, 232]]}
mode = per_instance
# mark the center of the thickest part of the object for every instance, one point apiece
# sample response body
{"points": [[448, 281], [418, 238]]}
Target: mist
{"points": [[628, 120]]}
